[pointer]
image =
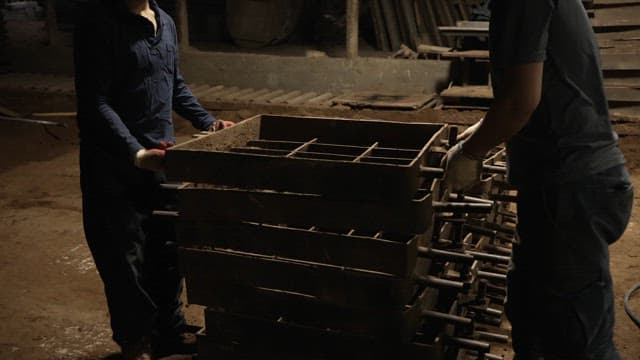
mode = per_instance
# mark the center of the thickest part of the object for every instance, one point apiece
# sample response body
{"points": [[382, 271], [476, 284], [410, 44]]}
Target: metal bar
{"points": [[35, 122], [489, 257], [457, 257], [439, 206], [492, 336], [366, 152], [492, 276], [433, 281], [470, 344], [449, 318], [302, 147]]}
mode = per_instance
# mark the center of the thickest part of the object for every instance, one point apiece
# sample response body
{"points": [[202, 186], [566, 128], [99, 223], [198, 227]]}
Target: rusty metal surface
{"points": [[208, 203], [399, 324], [347, 159], [374, 251]]}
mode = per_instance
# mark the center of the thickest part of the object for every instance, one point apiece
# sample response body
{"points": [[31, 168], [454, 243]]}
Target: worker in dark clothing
{"points": [[127, 84], [574, 192]]}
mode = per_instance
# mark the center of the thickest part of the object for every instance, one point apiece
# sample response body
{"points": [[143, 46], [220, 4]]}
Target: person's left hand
{"points": [[462, 171], [221, 124]]}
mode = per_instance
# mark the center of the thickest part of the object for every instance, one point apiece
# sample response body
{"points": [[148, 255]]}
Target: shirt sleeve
{"points": [[520, 31], [94, 72], [184, 102]]}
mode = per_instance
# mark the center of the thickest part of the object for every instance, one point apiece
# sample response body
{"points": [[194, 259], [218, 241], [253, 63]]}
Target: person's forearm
{"points": [[505, 118]]}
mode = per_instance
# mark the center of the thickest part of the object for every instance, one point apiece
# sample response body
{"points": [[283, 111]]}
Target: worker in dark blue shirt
{"points": [[127, 84], [574, 191]]}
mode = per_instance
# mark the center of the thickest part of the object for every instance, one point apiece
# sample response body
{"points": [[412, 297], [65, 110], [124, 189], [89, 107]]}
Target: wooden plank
{"points": [[620, 36], [182, 23], [620, 62], [630, 82], [468, 54], [410, 22], [379, 27], [473, 92], [431, 19], [352, 18], [615, 2], [624, 16], [622, 94], [390, 19], [302, 98], [384, 101], [458, 31]]}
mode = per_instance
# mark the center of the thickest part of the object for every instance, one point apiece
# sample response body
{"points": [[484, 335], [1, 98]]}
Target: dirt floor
{"points": [[52, 304]]}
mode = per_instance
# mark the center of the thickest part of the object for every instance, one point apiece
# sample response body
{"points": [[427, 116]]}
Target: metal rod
{"points": [[492, 336], [33, 121], [462, 207], [489, 257], [449, 318], [437, 282], [470, 344], [457, 257]]}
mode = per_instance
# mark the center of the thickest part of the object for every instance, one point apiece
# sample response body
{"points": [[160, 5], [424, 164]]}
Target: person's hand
{"points": [[469, 131], [152, 159], [221, 124], [462, 171]]}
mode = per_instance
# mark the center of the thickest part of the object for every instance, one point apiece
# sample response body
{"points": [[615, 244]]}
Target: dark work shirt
{"points": [[128, 80], [569, 135]]}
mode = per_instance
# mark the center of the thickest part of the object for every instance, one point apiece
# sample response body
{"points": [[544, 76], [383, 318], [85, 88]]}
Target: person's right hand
{"points": [[152, 159], [469, 131], [221, 124]]}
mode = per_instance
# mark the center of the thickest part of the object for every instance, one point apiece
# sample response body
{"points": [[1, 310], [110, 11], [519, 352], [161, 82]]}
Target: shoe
{"points": [[185, 343], [137, 350]]}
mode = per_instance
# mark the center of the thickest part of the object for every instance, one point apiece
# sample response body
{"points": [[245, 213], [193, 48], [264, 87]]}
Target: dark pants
{"points": [[560, 296], [134, 252]]}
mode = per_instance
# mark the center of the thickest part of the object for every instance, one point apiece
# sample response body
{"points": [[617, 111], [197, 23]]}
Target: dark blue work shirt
{"points": [[569, 137], [128, 80]]}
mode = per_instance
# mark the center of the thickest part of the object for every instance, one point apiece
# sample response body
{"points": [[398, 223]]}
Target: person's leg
{"points": [[565, 305], [113, 231], [163, 279]]}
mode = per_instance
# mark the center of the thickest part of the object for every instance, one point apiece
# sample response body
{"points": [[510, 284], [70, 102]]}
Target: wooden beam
{"points": [[353, 17], [51, 23], [183, 23]]}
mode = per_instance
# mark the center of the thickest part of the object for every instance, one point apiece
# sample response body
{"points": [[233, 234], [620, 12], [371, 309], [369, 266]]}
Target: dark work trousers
{"points": [[560, 296], [134, 252]]}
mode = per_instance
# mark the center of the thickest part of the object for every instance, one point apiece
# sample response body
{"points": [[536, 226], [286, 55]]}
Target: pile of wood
{"points": [[617, 26], [415, 22]]}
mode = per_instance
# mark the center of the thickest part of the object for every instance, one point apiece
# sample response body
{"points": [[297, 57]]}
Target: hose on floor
{"points": [[627, 308]]}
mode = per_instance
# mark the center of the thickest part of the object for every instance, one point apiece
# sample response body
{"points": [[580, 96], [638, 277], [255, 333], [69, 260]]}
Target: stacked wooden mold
{"points": [[310, 237]]}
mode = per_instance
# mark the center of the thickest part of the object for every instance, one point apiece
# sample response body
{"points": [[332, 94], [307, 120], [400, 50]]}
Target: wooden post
{"points": [[182, 15], [51, 23], [353, 15]]}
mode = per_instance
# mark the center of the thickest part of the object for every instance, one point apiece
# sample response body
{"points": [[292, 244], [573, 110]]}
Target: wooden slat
{"points": [[617, 16], [474, 92], [390, 19], [623, 94], [620, 62]]}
